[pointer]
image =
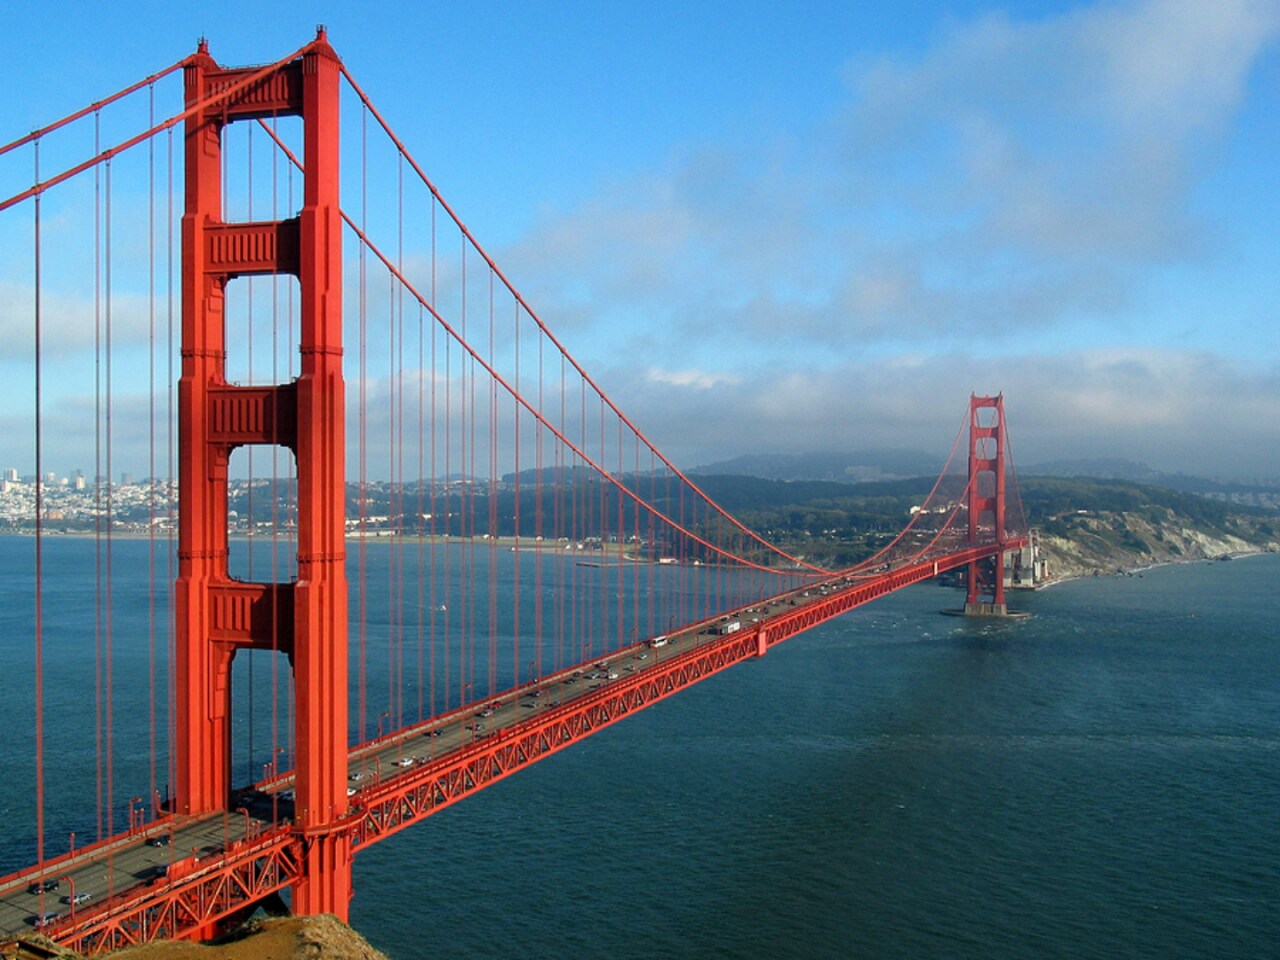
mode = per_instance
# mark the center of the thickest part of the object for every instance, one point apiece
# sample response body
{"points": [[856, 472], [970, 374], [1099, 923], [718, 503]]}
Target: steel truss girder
{"points": [[409, 797], [247, 873], [416, 794]]}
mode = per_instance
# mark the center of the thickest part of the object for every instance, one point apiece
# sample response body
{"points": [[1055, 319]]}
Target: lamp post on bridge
{"points": [[71, 897]]}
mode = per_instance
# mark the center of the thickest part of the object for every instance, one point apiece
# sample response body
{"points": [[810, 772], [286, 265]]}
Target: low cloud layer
{"points": [[1177, 411]]}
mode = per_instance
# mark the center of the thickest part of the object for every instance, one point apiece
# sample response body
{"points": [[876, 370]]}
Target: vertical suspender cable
{"points": [[492, 525], [448, 603], [170, 576], [469, 435], [417, 520], [110, 584], [39, 545], [435, 596], [390, 467], [151, 446], [538, 531], [516, 531], [97, 468], [466, 664], [394, 662], [398, 293], [363, 488]]}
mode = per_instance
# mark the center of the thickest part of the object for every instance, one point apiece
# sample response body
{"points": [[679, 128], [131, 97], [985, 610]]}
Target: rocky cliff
{"points": [[1088, 543]]}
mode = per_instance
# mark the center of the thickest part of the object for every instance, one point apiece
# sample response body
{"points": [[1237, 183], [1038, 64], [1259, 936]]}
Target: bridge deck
{"points": [[178, 874]]}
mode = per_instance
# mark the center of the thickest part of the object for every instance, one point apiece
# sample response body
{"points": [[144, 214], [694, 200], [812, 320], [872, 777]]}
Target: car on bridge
{"points": [[78, 899], [43, 886]]}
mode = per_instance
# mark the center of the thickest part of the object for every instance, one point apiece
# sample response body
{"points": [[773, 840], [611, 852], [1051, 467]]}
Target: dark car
{"points": [[160, 840], [43, 886]]}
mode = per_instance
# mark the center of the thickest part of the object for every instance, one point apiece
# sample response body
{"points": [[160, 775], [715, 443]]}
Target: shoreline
{"points": [[1137, 570]]}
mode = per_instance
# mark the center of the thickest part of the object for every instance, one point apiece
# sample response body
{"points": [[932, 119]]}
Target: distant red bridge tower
{"points": [[987, 445], [216, 615]]}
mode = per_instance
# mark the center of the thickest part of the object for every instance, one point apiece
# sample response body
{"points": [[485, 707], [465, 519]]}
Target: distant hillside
{"points": [[1087, 525], [1263, 493], [856, 467]]}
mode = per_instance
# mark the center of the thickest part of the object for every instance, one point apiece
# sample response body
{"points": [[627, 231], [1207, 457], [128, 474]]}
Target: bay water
{"points": [[1098, 780]]}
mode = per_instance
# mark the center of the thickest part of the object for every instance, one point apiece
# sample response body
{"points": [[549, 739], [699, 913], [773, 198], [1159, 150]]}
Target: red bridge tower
{"points": [[216, 615], [985, 596]]}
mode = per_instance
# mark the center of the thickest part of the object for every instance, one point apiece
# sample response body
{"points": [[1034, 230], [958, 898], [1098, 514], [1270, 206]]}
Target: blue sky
{"points": [[821, 226]]}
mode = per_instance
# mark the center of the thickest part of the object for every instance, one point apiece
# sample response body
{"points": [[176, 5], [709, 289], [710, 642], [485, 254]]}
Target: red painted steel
{"points": [[194, 897], [215, 615], [987, 497], [320, 646]]}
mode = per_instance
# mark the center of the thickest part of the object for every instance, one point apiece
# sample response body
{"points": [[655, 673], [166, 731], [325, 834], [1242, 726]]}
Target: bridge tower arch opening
{"points": [[216, 613]]}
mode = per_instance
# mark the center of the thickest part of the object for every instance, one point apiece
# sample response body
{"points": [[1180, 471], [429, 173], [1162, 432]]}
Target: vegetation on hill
{"points": [[1087, 525]]}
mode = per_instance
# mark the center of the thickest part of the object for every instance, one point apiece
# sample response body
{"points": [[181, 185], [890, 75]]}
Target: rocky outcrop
{"points": [[323, 937]]}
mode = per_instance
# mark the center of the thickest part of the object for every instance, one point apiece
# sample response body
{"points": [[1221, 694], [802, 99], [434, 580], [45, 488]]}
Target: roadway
{"points": [[144, 856]]}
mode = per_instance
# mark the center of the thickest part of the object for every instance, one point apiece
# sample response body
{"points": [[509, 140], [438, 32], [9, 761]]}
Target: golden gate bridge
{"points": [[544, 570]]}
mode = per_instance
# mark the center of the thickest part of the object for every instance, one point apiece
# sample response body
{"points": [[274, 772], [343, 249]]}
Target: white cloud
{"points": [[1018, 174], [700, 379], [69, 324]]}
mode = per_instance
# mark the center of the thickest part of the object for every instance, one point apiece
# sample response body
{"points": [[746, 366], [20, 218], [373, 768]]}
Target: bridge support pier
{"points": [[326, 875]]}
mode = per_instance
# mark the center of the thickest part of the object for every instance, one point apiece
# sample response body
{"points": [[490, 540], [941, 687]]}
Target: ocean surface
{"points": [[1100, 780]]}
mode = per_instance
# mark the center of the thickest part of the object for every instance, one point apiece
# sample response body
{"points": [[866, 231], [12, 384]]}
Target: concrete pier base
{"points": [[988, 610]]}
